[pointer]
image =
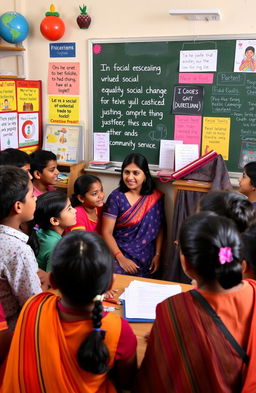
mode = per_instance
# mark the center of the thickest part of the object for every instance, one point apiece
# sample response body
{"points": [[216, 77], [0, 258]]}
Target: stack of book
{"points": [[100, 164]]}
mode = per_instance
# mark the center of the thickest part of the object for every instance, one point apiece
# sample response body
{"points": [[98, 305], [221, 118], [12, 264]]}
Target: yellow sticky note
{"points": [[216, 135], [64, 110]]}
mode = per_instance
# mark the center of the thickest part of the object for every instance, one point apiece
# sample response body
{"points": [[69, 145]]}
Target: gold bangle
{"points": [[158, 254]]}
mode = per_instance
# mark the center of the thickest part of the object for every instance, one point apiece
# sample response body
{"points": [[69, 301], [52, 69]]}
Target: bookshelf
{"points": [[75, 170]]}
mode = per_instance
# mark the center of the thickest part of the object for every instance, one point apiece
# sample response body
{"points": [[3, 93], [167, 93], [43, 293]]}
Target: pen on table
{"points": [[110, 300]]}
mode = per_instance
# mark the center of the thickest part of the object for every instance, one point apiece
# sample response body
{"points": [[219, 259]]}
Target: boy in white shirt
{"points": [[18, 266]]}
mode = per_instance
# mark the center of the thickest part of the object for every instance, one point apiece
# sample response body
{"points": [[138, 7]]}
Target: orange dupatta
{"points": [[42, 357]]}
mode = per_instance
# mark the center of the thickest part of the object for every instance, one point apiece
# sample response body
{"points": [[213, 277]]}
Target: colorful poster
{"points": [[247, 153], [188, 129], [28, 99], [64, 110], [216, 134], [63, 141], [7, 96], [245, 59], [28, 129], [8, 127], [64, 78], [198, 60]]}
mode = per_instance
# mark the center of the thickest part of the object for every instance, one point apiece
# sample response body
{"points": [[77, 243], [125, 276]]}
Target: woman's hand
{"points": [[154, 264], [127, 264]]}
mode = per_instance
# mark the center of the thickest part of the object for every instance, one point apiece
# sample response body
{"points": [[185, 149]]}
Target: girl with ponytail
{"points": [[205, 336], [71, 343]]}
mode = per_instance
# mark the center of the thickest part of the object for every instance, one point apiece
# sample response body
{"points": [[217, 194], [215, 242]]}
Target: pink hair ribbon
{"points": [[225, 255]]}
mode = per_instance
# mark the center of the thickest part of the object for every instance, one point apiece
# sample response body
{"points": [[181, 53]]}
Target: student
{"points": [[247, 182], [133, 218], [53, 215], [18, 266], [79, 344], [191, 348], [248, 63], [249, 252], [16, 157], [88, 200], [230, 204], [44, 171]]}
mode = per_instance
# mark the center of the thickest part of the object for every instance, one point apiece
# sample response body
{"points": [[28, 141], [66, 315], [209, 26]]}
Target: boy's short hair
{"points": [[40, 159], [13, 187], [48, 205], [14, 157]]}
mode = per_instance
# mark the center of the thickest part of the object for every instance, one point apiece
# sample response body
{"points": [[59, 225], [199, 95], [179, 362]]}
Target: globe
{"points": [[13, 27]]}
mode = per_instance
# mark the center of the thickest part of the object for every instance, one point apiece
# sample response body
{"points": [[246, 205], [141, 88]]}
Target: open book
{"points": [[141, 298]]}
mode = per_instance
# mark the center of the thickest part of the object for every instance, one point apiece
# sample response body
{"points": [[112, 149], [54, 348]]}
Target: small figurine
{"points": [[83, 20], [52, 26]]}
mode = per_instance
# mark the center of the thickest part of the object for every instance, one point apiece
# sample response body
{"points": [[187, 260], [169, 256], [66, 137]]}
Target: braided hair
{"points": [[82, 267]]}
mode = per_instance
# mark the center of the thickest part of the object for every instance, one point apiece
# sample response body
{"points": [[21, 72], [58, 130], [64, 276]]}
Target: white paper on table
{"points": [[185, 154], [101, 146], [141, 298], [166, 156]]}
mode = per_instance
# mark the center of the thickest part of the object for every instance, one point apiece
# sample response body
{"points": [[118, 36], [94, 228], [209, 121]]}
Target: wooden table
{"points": [[140, 329]]}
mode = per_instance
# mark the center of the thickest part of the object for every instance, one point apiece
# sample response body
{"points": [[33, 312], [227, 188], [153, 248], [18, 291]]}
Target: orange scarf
{"points": [[42, 357]]}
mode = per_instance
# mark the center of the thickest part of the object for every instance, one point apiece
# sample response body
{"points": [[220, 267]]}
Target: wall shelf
{"points": [[18, 51]]}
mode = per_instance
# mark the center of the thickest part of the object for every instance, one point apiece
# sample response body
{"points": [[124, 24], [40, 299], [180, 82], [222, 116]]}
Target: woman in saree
{"points": [[204, 340], [66, 343], [133, 220]]}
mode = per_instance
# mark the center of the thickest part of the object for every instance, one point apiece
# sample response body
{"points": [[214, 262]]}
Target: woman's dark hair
{"points": [[249, 246], [82, 186], [82, 268], [201, 238], [250, 170], [232, 205], [138, 159], [14, 184], [48, 205]]}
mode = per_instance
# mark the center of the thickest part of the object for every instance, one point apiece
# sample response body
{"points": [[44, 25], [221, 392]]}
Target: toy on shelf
{"points": [[14, 27], [83, 20], [52, 26]]}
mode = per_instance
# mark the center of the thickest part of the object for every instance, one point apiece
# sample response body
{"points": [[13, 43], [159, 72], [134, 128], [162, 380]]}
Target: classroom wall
{"points": [[121, 19]]}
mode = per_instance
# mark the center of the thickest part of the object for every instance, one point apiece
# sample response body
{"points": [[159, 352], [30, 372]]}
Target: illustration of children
{"points": [[5, 104], [248, 63]]}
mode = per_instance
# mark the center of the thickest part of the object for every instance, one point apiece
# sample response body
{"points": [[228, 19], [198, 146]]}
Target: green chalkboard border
{"points": [[194, 38]]}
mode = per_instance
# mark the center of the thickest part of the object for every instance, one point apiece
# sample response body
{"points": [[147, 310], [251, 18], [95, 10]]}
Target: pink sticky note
{"points": [[188, 129], [64, 78], [196, 77]]}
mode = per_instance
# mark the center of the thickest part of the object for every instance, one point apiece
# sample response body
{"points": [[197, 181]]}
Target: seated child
{"points": [[18, 266], [53, 214], [83, 348], [44, 171], [16, 157], [88, 200]]}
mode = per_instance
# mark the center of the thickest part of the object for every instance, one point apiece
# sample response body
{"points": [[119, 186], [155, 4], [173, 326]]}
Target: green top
{"points": [[47, 241]]}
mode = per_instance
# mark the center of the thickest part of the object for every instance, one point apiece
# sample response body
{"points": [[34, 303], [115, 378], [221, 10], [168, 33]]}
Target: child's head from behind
{"points": [[82, 267], [44, 167], [141, 162], [230, 204], [211, 246], [54, 210], [16, 194], [15, 157], [88, 191], [249, 251]]}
